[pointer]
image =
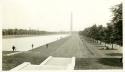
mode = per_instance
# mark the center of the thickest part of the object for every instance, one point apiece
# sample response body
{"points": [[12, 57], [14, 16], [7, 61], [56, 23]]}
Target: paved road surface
{"points": [[72, 47]]}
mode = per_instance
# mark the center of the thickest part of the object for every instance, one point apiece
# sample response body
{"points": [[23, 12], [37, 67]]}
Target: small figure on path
{"points": [[121, 59], [32, 46], [14, 48], [47, 45]]}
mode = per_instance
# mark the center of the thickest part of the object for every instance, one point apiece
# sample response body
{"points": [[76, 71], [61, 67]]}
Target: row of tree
{"points": [[21, 32], [27, 32], [110, 34]]}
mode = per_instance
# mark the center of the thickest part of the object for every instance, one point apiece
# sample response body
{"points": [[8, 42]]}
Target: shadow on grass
{"points": [[107, 49], [111, 62], [114, 54], [96, 44], [82, 63], [97, 63], [99, 46], [91, 42], [9, 62]]}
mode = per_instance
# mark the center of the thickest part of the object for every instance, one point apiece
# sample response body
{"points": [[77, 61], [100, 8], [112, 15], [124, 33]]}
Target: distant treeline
{"points": [[110, 34], [27, 32]]}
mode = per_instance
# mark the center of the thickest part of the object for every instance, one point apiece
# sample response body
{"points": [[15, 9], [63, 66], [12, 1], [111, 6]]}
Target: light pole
{"points": [[111, 40]]}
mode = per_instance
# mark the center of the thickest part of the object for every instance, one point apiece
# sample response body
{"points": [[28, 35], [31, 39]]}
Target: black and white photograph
{"points": [[60, 35]]}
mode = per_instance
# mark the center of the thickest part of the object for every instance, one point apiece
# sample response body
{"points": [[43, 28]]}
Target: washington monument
{"points": [[71, 24]]}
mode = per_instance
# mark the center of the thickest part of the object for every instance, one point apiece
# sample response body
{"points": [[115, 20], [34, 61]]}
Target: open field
{"points": [[88, 55]]}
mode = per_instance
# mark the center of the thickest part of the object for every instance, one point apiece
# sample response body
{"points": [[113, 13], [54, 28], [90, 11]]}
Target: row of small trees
{"points": [[110, 34], [28, 32], [23, 32]]}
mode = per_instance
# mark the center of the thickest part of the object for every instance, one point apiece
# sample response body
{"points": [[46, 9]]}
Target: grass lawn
{"points": [[10, 62], [8, 52], [98, 63]]}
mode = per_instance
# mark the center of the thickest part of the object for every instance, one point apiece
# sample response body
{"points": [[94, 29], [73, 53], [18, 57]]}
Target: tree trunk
{"points": [[112, 45], [105, 44], [100, 42]]}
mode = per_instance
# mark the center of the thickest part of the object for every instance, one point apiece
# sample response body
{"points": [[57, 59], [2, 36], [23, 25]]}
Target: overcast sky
{"points": [[54, 15]]}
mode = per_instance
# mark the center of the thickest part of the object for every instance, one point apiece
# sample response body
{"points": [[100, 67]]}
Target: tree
{"points": [[112, 33], [117, 21]]}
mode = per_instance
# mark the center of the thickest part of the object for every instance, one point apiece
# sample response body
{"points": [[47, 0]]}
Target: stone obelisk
{"points": [[71, 24]]}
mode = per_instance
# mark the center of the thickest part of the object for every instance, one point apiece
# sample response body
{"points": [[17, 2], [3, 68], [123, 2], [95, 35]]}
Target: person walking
{"points": [[47, 45], [32, 46], [121, 59], [13, 48]]}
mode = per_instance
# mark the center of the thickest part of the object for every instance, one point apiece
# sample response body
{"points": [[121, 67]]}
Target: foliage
{"points": [[27, 32], [110, 34]]}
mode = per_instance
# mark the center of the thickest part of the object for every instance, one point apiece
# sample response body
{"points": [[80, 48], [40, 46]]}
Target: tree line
{"points": [[27, 32], [112, 33]]}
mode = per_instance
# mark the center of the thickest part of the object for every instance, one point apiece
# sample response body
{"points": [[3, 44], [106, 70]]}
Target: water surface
{"points": [[25, 43]]}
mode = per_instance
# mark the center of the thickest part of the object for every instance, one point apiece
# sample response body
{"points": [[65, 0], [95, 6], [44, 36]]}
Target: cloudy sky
{"points": [[54, 15]]}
